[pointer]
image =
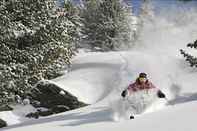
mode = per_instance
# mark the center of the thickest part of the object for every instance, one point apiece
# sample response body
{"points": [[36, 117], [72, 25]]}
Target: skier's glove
{"points": [[124, 93], [160, 94]]}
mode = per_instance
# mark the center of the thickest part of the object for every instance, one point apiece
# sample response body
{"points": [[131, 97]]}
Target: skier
{"points": [[141, 83]]}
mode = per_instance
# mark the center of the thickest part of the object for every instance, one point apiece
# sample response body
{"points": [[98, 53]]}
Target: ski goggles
{"points": [[142, 78]]}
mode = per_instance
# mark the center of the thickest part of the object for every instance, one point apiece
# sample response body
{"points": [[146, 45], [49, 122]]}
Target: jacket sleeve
{"points": [[152, 86], [132, 88]]}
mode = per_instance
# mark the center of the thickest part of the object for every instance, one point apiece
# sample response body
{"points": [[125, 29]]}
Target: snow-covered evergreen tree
{"points": [[146, 11], [73, 15], [188, 57], [146, 16], [106, 24], [37, 40]]}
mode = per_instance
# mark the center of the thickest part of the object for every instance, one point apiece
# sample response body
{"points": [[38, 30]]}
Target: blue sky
{"points": [[163, 4], [158, 4]]}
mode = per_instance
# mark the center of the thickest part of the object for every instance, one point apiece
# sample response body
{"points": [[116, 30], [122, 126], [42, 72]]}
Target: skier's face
{"points": [[142, 79]]}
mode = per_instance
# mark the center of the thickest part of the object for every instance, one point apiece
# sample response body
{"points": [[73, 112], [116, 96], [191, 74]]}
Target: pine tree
{"points": [[188, 57], [37, 40], [73, 15], [106, 24], [146, 16], [146, 10]]}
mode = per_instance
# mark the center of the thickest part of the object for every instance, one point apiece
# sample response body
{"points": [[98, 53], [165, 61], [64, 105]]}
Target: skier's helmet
{"points": [[142, 75]]}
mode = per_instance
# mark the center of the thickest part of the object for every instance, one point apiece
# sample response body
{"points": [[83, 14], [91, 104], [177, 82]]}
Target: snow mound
{"points": [[17, 116]]}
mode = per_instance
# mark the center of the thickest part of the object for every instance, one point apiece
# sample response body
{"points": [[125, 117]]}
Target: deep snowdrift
{"points": [[100, 80]]}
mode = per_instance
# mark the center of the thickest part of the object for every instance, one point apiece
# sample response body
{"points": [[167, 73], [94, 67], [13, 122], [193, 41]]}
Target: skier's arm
{"points": [[131, 88], [127, 90], [124, 93], [160, 94], [151, 86]]}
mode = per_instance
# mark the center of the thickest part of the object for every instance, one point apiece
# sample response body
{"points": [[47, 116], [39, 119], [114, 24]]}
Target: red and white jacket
{"points": [[137, 86]]}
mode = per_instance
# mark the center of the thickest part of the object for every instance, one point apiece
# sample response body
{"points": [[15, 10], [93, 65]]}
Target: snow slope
{"points": [[99, 78], [178, 118], [18, 115]]}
